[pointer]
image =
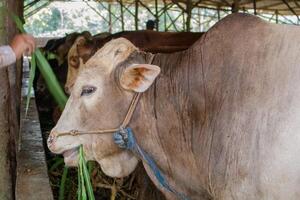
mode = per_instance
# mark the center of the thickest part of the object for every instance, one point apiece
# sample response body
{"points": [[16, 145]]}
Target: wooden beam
{"points": [[291, 9], [179, 6], [145, 6], [127, 8], [96, 11], [36, 10], [109, 10], [270, 5], [173, 21]]}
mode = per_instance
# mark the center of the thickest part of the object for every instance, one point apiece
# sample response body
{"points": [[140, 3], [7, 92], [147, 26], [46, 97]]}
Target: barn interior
{"points": [[25, 162]]}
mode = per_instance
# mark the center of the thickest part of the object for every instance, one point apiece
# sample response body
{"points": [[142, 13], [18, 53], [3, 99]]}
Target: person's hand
{"points": [[22, 44]]}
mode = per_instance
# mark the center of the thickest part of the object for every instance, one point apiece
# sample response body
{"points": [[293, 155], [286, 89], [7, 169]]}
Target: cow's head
{"points": [[99, 100]]}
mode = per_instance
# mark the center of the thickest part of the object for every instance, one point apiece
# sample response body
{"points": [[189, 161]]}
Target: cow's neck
{"points": [[162, 124]]}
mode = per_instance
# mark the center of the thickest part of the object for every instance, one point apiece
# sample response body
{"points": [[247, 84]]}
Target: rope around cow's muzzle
{"points": [[124, 138], [123, 125]]}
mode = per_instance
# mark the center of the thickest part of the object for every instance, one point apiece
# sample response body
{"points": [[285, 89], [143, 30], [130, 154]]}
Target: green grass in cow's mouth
{"points": [[85, 189]]}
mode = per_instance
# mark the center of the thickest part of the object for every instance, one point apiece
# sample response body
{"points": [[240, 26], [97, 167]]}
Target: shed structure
{"points": [[11, 77]]}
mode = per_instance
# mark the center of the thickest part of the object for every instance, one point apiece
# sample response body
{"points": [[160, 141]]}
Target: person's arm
{"points": [[7, 56], [21, 44]]}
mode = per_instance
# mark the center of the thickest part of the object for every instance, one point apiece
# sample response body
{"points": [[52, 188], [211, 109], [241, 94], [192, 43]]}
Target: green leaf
{"points": [[59, 161], [62, 184], [81, 164], [50, 79], [85, 175], [46, 70]]}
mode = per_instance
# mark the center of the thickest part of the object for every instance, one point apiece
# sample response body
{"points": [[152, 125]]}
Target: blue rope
{"points": [[126, 140]]}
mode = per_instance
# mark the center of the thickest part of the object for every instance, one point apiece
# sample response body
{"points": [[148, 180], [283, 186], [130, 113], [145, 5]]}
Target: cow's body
{"points": [[222, 120], [224, 116], [149, 41], [156, 42]]}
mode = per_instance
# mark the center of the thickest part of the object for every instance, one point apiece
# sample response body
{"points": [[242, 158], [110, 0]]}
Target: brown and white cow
{"points": [[221, 120], [149, 41]]}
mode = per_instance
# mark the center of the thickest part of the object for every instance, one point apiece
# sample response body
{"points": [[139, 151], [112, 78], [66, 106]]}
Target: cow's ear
{"points": [[139, 77]]}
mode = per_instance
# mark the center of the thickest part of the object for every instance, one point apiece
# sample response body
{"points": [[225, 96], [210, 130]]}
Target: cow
{"points": [[149, 41], [221, 119]]}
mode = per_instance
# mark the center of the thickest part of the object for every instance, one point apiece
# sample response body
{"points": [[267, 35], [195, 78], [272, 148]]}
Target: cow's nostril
{"points": [[51, 139]]}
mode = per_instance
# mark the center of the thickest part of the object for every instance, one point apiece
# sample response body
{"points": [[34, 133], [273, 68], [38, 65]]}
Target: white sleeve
{"points": [[7, 56]]}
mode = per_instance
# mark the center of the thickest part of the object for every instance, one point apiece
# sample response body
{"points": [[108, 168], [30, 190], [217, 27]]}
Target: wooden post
{"points": [[9, 103], [254, 7], [136, 15], [122, 14], [189, 7], [109, 18], [235, 6]]}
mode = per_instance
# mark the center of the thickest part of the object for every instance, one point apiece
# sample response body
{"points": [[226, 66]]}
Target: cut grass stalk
{"points": [[58, 161], [86, 185], [63, 184], [82, 184]]}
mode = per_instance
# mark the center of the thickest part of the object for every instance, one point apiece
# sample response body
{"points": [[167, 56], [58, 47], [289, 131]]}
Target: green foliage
{"points": [[85, 189], [46, 71], [63, 184]]}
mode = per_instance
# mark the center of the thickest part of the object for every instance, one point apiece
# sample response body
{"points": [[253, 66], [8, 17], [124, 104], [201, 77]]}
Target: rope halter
{"points": [[123, 125]]}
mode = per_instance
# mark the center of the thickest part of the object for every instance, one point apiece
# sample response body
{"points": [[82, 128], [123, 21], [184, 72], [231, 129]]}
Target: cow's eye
{"points": [[88, 90]]}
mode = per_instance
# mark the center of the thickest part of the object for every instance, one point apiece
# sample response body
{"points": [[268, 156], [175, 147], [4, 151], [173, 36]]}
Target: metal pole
{"points": [[156, 15], [136, 16], [254, 7], [276, 14]]}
